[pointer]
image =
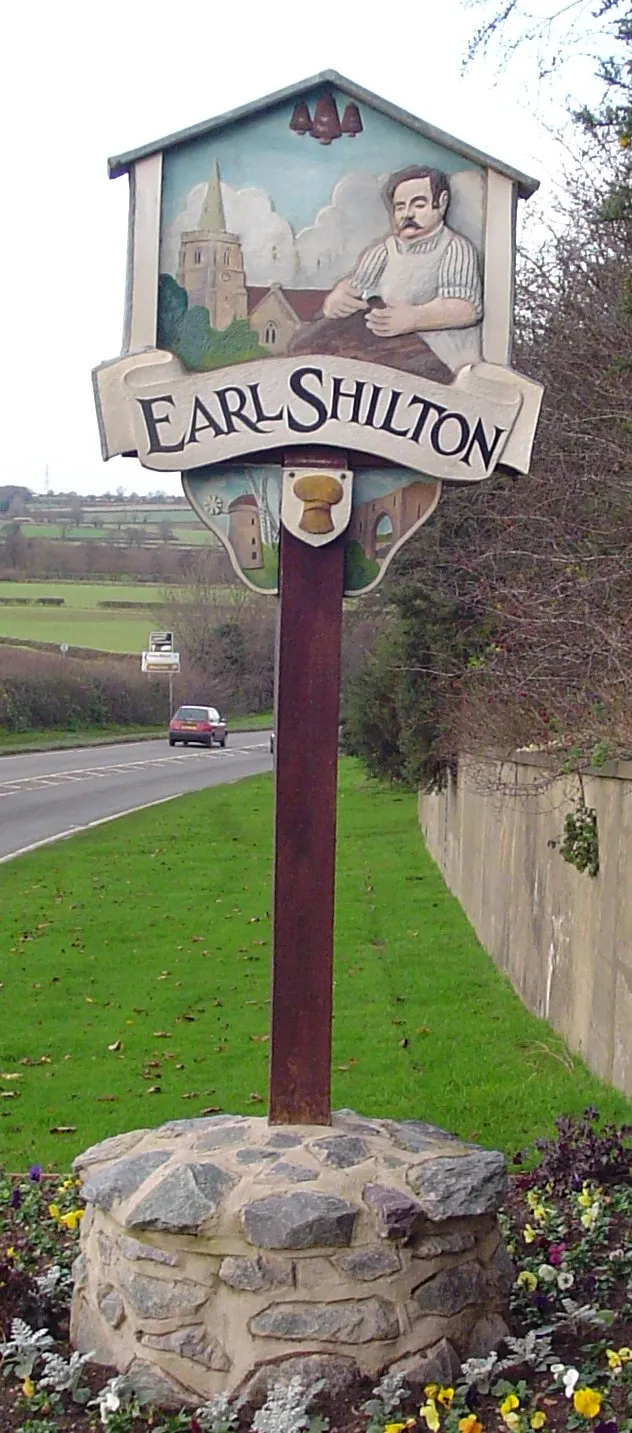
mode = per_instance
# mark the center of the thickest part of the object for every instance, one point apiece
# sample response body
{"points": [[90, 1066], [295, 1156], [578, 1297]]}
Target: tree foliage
{"points": [[511, 613]]}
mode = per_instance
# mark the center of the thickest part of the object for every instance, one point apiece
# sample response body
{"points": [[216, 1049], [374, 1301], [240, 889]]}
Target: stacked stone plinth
{"points": [[222, 1253]]}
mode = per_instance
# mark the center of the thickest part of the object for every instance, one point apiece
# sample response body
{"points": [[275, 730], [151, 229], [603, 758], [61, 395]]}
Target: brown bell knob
{"points": [[301, 121], [326, 124], [351, 122], [318, 492]]}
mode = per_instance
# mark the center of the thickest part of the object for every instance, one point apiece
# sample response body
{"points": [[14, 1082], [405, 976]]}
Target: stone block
{"points": [[396, 1213], [449, 1291], [111, 1306], [349, 1321], [121, 1178], [136, 1249], [183, 1201], [193, 1343], [438, 1364], [155, 1386], [486, 1335], [447, 1188], [340, 1151], [115, 1147], [372, 1261], [255, 1274], [299, 1220], [293, 1173], [335, 1372], [161, 1298]]}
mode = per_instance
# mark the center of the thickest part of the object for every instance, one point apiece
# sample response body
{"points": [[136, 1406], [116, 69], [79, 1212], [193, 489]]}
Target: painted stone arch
{"points": [[383, 535]]}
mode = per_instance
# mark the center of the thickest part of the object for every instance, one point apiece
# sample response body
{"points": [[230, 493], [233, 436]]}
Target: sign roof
{"points": [[121, 163]]}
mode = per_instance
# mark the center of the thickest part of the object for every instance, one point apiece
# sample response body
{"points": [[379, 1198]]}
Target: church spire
{"points": [[212, 217]]}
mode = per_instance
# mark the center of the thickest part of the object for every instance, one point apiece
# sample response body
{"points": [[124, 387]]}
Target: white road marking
{"points": [[18, 784], [75, 830]]}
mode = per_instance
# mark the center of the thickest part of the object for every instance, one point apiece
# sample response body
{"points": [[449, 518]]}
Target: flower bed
{"points": [[567, 1223]]}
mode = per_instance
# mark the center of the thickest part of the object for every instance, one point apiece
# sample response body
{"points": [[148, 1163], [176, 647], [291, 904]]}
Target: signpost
{"points": [[283, 294], [162, 660]]}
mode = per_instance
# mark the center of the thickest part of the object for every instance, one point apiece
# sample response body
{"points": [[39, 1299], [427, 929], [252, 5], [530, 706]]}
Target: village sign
{"points": [[318, 268]]}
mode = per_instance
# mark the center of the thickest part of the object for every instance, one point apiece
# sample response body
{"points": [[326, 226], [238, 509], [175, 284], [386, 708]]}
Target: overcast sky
{"points": [[84, 81]]}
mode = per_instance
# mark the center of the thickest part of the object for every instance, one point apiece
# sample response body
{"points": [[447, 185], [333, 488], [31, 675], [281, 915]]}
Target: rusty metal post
{"points": [[306, 759]]}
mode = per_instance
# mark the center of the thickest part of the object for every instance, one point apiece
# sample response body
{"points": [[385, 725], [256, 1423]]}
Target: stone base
{"points": [[220, 1254]]}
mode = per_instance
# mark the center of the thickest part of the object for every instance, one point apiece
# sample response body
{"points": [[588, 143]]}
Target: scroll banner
{"points": [[175, 420]]}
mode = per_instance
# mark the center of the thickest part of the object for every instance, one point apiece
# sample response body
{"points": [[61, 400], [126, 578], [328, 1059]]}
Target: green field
{"points": [[135, 980], [187, 536], [80, 622]]}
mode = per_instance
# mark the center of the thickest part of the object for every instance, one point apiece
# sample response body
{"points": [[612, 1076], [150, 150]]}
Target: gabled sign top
{"points": [[121, 163]]}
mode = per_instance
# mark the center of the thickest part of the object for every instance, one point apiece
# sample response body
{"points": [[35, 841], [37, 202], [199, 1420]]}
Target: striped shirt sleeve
{"points": [[459, 274], [368, 271]]}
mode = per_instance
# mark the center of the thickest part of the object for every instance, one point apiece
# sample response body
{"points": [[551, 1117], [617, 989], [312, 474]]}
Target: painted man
{"points": [[414, 299]]}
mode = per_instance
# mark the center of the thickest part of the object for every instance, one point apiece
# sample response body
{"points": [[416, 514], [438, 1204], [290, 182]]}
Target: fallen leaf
{"points": [[9, 1094], [260, 1039], [162, 1035], [403, 1044], [255, 1099], [212, 1110], [63, 1129], [423, 1030], [11, 1076], [154, 1090], [343, 1067], [116, 1045], [138, 1010], [107, 1099], [191, 1095]]}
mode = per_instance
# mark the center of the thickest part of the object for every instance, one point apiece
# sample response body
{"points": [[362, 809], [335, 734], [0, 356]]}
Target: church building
{"points": [[211, 269]]}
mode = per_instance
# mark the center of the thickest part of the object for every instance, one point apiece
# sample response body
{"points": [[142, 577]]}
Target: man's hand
{"points": [[342, 302], [388, 322]]}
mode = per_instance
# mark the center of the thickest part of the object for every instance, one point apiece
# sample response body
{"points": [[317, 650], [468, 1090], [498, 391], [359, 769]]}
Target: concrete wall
{"points": [[563, 938]]}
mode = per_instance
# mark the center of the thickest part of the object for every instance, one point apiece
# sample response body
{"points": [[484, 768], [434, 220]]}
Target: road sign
{"points": [[161, 641], [167, 662]]}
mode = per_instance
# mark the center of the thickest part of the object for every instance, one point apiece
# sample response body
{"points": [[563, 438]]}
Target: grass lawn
{"points": [[80, 622], [135, 970]]}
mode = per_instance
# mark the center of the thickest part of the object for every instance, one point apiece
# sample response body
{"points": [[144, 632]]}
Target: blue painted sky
{"points": [[264, 153]]}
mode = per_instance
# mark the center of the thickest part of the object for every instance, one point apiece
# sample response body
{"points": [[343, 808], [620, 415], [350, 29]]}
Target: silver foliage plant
{"points": [[285, 1409], [387, 1396], [217, 1416], [67, 1377], [21, 1352]]}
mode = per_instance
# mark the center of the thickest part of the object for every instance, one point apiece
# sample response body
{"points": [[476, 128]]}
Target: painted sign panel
{"points": [[320, 266], [244, 506]]}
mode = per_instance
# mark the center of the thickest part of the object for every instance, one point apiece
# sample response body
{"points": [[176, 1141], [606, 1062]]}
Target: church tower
{"points": [[211, 262]]}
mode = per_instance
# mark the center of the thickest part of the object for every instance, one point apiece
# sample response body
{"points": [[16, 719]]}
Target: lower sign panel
{"points": [[242, 506]]}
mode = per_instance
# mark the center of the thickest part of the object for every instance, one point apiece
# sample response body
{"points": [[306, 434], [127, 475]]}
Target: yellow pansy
{"points": [[527, 1280], [587, 1196], [445, 1396], [10, 1252], [72, 1219], [54, 1211], [28, 1387], [431, 1390], [430, 1413], [512, 1421], [539, 1213], [537, 1419], [617, 1357], [509, 1403], [587, 1401], [394, 1427], [529, 1234]]}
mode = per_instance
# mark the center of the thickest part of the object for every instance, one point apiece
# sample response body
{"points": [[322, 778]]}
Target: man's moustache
{"points": [[410, 224]]}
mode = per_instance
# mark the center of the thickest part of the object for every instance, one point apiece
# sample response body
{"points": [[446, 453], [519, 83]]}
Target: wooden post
{"points": [[306, 759]]}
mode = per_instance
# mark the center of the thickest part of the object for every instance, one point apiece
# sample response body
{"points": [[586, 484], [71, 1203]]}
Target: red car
{"points": [[202, 725]]}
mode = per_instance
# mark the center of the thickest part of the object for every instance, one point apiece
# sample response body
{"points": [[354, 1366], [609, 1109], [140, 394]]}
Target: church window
{"points": [[270, 335], [227, 256], [197, 257]]}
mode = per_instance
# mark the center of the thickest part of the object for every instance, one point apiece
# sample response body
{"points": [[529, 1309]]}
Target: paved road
{"points": [[45, 795]]}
